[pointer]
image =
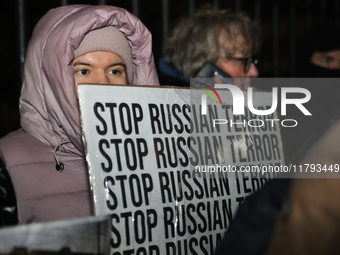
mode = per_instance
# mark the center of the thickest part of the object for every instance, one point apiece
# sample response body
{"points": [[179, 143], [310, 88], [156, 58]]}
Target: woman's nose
{"points": [[252, 73], [101, 78]]}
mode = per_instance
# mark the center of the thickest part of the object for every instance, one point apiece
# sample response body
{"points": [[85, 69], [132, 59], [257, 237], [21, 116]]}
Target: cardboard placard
{"points": [[159, 166]]}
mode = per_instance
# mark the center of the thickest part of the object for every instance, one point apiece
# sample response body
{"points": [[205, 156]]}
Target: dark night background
{"points": [[283, 24]]}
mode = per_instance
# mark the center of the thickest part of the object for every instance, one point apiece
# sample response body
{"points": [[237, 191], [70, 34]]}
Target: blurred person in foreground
{"points": [[300, 216], [46, 157], [227, 40], [297, 216], [311, 225]]}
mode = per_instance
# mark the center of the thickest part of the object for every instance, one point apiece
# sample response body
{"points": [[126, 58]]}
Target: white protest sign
{"points": [[153, 161]]}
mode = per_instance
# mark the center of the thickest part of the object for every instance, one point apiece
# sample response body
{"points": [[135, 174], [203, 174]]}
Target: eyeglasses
{"points": [[246, 62]]}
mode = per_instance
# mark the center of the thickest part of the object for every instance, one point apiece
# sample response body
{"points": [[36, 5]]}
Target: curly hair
{"points": [[201, 38]]}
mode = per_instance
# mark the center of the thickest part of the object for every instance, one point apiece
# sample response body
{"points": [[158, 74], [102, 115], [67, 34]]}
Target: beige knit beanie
{"points": [[108, 39]]}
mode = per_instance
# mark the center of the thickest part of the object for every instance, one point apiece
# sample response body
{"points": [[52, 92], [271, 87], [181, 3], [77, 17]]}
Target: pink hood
{"points": [[48, 97]]}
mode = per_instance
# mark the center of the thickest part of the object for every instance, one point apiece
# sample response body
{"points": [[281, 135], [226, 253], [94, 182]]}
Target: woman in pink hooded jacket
{"points": [[46, 157]]}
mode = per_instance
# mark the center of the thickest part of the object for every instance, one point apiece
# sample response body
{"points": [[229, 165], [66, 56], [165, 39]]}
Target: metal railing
{"points": [[283, 23], [272, 14]]}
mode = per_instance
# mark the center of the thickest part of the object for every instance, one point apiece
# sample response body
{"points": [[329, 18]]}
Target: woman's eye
{"points": [[82, 72], [115, 72], [327, 60]]}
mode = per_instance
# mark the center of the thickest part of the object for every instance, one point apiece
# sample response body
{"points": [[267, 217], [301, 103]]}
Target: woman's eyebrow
{"points": [[119, 64], [88, 64], [81, 63]]}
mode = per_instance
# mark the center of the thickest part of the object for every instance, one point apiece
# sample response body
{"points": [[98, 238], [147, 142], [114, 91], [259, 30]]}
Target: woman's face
{"points": [[233, 66], [99, 67]]}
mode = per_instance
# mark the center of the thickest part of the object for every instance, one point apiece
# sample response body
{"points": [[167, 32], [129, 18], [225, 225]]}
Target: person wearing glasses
{"points": [[226, 40]]}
